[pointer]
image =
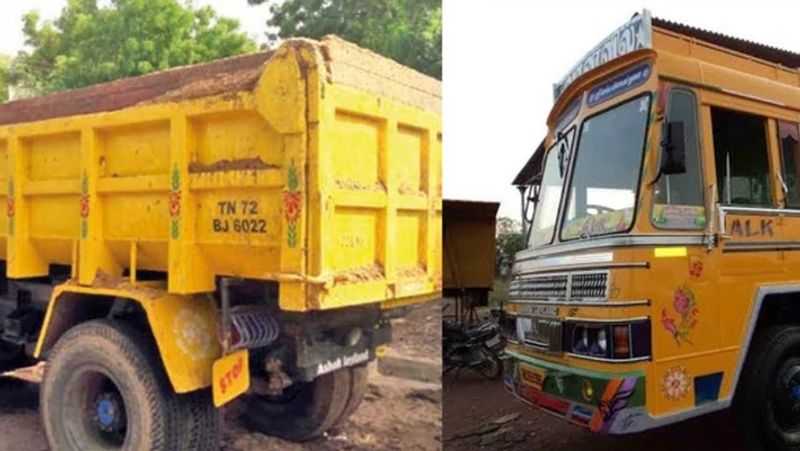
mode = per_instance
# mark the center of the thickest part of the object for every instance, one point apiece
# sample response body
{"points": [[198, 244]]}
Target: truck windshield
{"points": [[604, 182], [544, 219]]}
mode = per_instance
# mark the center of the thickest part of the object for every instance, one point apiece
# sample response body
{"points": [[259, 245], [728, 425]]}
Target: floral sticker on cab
{"points": [[675, 383], [685, 304]]}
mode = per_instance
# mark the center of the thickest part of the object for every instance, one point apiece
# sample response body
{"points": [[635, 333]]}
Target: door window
{"points": [[678, 198], [740, 154]]}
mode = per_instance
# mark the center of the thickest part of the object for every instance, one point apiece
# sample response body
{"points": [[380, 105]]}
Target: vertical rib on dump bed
{"points": [[317, 166]]}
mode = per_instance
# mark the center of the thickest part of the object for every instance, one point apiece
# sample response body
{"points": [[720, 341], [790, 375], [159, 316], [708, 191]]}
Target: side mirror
{"points": [[673, 149]]}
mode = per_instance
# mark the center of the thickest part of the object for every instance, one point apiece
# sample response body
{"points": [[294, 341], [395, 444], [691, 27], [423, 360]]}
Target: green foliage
{"points": [[5, 62], [508, 241], [409, 31], [89, 44]]}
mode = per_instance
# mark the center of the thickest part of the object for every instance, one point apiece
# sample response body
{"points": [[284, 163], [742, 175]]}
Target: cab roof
{"points": [[754, 49]]}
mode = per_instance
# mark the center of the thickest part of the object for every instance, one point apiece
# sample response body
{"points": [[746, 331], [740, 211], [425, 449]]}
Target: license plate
{"points": [[531, 376], [230, 376], [492, 342]]}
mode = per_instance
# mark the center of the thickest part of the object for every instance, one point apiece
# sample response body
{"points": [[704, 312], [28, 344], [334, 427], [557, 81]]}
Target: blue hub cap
{"points": [[105, 412], [109, 412]]}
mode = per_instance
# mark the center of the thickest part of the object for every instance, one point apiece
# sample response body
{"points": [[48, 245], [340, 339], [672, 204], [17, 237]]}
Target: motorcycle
{"points": [[477, 348]]}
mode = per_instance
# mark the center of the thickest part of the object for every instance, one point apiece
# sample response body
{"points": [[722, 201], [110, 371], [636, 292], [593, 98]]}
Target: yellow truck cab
{"points": [[244, 227], [662, 215]]}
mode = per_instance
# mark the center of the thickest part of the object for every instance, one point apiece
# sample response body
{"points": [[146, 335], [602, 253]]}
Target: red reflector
{"points": [[538, 398], [622, 342]]}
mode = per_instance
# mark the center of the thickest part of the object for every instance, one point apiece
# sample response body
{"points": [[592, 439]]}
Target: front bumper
{"points": [[606, 403]]}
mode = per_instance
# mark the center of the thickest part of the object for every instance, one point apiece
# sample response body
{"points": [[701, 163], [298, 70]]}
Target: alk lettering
{"points": [[744, 228]]}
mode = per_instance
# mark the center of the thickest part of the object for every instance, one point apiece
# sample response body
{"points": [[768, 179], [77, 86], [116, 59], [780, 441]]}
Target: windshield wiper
{"points": [[562, 153]]}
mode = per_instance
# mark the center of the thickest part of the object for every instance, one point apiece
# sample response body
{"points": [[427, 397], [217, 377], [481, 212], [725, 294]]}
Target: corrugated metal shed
{"points": [[530, 173], [468, 209], [754, 49]]}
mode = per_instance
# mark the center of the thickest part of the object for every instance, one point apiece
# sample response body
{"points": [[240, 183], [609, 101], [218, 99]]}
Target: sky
{"points": [[500, 63], [252, 18]]}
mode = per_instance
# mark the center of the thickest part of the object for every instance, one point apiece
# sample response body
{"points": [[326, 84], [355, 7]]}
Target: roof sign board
{"points": [[634, 35], [619, 84]]}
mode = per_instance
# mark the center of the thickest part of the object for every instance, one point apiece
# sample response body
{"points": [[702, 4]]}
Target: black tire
{"points": [[761, 394], [491, 367], [358, 387], [203, 425], [89, 364], [306, 410]]}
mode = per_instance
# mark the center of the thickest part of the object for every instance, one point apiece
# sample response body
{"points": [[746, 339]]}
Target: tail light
{"points": [[622, 341]]}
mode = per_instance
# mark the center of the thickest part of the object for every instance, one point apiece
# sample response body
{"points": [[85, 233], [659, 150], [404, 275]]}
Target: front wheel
{"points": [[767, 402], [104, 389]]}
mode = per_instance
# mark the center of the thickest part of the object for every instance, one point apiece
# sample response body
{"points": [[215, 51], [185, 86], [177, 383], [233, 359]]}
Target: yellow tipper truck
{"points": [[245, 226]]}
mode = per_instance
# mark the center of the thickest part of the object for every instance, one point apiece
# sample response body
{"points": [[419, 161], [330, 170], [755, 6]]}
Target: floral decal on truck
{"points": [[84, 203], [685, 304], [675, 383], [175, 203], [292, 205], [10, 208]]}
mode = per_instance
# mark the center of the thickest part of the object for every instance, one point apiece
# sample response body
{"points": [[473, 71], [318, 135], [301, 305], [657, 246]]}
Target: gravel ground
{"points": [[396, 414], [479, 415]]}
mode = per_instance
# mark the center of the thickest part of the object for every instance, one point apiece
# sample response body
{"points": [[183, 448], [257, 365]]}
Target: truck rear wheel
{"points": [[305, 410], [104, 388], [767, 401], [358, 386]]}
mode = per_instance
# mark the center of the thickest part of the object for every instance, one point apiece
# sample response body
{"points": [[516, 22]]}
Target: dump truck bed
{"points": [[317, 166]]}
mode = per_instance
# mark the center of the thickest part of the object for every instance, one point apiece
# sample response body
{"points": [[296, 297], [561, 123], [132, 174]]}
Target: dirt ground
{"points": [[479, 415], [396, 414]]}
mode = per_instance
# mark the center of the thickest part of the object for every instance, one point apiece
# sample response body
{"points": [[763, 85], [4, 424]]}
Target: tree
{"points": [[409, 31], [508, 242], [5, 62], [89, 44]]}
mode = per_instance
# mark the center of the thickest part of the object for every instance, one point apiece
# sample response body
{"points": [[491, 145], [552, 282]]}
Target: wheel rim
{"points": [[786, 397], [95, 415]]}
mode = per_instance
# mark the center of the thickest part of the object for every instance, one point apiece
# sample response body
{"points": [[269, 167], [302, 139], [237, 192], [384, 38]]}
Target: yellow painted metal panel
{"points": [[311, 179], [139, 149], [53, 157], [184, 327], [234, 136]]}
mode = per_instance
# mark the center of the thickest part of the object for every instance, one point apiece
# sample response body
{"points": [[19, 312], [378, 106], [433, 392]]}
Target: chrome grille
{"points": [[542, 287], [589, 285], [568, 287]]}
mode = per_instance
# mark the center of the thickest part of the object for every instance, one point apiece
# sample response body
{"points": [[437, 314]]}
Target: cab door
{"points": [[749, 233], [750, 230]]}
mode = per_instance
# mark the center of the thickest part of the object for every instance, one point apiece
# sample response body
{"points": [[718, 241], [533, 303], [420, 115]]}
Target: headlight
{"points": [[610, 341], [602, 343], [589, 340], [524, 327]]}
